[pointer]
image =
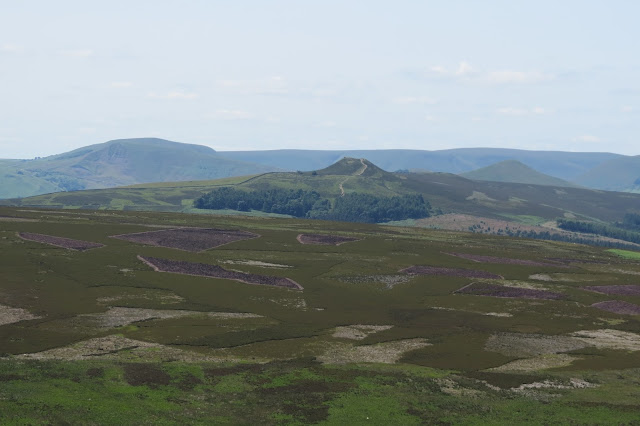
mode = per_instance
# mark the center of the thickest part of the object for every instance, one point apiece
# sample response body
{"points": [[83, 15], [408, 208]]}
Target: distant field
{"points": [[626, 254], [101, 337]]}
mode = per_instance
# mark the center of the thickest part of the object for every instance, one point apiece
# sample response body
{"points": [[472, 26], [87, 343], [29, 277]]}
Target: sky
{"points": [[248, 75]]}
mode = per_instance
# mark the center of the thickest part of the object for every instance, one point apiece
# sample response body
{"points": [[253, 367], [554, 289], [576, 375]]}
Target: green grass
{"points": [[87, 392], [627, 254]]}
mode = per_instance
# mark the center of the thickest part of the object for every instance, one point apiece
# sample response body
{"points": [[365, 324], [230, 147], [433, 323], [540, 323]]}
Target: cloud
{"points": [[228, 114], [627, 108], [406, 100], [279, 86], [465, 71], [517, 77], [270, 86], [464, 68], [121, 84], [327, 124], [174, 95], [11, 48], [587, 138], [77, 53], [521, 111]]}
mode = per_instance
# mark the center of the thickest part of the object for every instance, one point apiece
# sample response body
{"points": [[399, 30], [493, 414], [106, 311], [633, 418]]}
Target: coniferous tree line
{"points": [[602, 229], [550, 236], [352, 207], [631, 221]]}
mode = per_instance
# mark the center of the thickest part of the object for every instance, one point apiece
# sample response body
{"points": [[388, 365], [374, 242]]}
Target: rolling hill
{"points": [[447, 193], [515, 171], [117, 163], [563, 165], [132, 161], [618, 174]]}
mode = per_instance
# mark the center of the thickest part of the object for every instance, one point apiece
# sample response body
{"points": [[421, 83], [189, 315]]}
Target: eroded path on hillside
{"points": [[358, 173]]}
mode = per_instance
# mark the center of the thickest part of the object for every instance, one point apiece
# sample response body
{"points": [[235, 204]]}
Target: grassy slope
{"points": [[440, 383], [117, 163], [516, 172]]}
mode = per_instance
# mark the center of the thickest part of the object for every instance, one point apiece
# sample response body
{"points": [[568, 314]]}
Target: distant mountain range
{"points": [[563, 165], [598, 170], [134, 161]]}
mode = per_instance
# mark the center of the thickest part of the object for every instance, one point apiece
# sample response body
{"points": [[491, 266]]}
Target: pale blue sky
{"points": [[561, 75]]}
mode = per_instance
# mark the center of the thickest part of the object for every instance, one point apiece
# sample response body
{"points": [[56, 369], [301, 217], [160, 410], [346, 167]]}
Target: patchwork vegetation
{"points": [[97, 336]]}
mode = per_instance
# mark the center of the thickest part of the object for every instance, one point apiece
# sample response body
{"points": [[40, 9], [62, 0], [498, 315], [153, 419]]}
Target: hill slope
{"points": [[515, 171], [619, 174], [447, 193], [117, 163]]}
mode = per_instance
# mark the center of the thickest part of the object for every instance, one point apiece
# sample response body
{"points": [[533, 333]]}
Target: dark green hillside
{"points": [[355, 167], [118, 163], [619, 174], [516, 172]]}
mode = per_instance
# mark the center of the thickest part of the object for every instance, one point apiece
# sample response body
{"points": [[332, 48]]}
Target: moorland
{"points": [[391, 325], [343, 295]]}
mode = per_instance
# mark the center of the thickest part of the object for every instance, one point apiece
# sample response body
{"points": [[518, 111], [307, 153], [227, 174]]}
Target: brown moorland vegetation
{"points": [[621, 290], [503, 260], [188, 239], [618, 307], [323, 239], [449, 272], [494, 290], [214, 271], [67, 243]]}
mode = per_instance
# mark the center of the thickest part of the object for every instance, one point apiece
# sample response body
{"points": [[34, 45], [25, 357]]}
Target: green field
{"points": [[627, 254], [99, 337]]}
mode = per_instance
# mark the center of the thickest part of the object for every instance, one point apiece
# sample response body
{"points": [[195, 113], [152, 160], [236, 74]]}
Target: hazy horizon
{"points": [[310, 149], [321, 75]]}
